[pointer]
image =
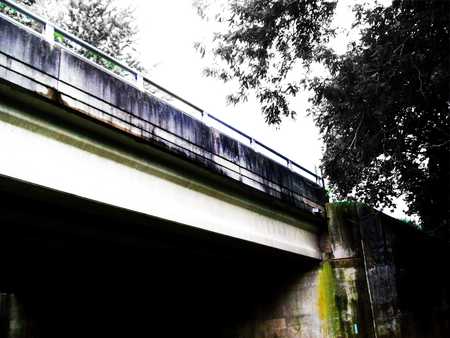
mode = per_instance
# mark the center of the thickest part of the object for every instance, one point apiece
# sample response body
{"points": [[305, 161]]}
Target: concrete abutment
{"points": [[379, 278]]}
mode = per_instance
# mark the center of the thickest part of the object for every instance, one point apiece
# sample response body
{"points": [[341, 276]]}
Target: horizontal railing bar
{"points": [[69, 35], [287, 159], [23, 26], [96, 50], [23, 10], [265, 147], [229, 126], [174, 95], [145, 79]]}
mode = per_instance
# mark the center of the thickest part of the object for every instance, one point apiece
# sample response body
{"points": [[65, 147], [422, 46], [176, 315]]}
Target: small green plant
{"points": [[58, 37], [345, 203]]}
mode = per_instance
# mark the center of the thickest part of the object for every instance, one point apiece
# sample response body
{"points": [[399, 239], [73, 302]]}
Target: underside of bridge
{"points": [[77, 268]]}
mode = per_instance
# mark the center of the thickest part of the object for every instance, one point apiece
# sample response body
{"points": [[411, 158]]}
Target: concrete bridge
{"points": [[98, 172], [124, 213], [81, 130]]}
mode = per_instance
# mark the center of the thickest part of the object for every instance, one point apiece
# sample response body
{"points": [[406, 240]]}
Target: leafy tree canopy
{"points": [[384, 106]]}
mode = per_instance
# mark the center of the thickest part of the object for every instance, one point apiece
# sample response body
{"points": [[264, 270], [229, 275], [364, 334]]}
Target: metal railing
{"points": [[57, 35]]}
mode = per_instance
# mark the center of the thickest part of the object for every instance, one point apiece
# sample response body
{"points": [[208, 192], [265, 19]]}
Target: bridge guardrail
{"points": [[57, 35]]}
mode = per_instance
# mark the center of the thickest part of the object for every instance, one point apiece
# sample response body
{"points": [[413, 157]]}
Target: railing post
{"points": [[254, 144], [289, 164], [49, 32], [321, 178], [140, 81], [204, 117]]}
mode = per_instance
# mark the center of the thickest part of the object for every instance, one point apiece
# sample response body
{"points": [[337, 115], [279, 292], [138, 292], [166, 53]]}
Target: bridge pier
{"points": [[324, 301], [289, 310], [380, 278]]}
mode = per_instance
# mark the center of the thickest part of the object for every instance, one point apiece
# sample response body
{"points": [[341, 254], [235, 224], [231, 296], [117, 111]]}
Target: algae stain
{"points": [[328, 309]]}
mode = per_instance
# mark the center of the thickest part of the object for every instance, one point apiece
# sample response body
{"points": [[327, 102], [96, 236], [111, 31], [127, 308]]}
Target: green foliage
{"points": [[58, 37], [345, 203], [384, 108]]}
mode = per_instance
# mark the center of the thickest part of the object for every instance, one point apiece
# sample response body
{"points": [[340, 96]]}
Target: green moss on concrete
{"points": [[328, 309]]}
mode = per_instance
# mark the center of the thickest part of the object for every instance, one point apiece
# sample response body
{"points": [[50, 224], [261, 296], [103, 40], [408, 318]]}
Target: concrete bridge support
{"points": [[380, 278], [399, 289]]}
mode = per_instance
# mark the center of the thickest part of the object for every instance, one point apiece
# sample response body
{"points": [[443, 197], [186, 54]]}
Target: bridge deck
{"points": [[69, 79]]}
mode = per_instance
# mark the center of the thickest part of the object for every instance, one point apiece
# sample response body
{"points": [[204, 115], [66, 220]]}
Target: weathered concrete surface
{"points": [[324, 301], [289, 310], [403, 291], [33, 64], [29, 49]]}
